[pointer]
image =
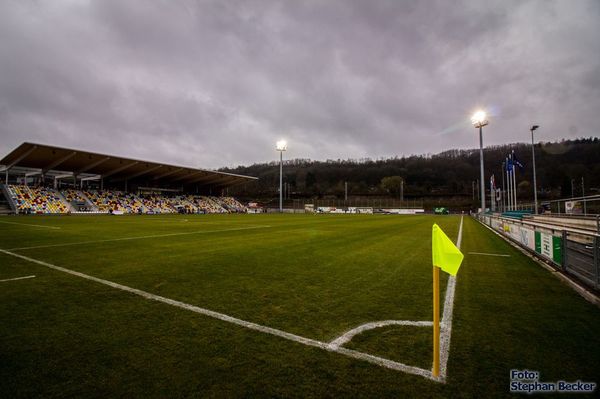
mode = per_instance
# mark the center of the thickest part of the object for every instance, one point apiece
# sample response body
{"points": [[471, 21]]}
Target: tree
{"points": [[565, 187], [524, 187], [310, 179], [392, 184]]}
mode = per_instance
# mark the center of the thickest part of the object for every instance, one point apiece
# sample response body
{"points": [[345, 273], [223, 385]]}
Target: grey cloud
{"points": [[214, 84]]}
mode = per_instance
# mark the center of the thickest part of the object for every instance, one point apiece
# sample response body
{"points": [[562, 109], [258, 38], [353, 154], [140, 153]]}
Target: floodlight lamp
{"points": [[281, 145], [534, 127], [478, 119]]}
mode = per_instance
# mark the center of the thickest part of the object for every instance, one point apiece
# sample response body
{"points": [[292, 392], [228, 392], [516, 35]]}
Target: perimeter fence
{"points": [[571, 245]]}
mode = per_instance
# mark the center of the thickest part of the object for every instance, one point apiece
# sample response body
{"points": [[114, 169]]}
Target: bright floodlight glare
{"points": [[478, 118], [281, 145]]}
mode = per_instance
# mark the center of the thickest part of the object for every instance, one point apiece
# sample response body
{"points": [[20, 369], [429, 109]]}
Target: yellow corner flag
{"points": [[445, 254]]}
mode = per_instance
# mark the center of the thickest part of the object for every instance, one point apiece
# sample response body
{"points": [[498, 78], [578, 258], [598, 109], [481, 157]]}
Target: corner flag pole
{"points": [[436, 321], [446, 256]]}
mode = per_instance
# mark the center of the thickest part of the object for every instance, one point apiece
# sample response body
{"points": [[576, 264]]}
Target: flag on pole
{"points": [[445, 254], [517, 162], [509, 164]]}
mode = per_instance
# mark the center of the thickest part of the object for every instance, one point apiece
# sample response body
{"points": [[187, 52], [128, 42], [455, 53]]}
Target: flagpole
{"points": [[491, 199], [509, 183], [512, 191], [502, 199], [492, 196], [446, 256], [494, 193], [506, 201], [514, 187], [514, 179], [508, 186], [436, 321], [510, 174]]}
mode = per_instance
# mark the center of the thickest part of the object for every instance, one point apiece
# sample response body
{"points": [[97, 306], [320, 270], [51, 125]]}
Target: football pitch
{"points": [[275, 306]]}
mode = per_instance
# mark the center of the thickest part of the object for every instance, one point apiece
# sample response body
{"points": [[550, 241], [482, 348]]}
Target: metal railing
{"points": [[588, 205], [582, 259], [575, 252]]}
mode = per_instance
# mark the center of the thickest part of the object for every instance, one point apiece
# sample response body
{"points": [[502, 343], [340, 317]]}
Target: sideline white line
{"points": [[347, 337], [390, 364], [446, 324], [483, 253], [67, 244], [334, 346], [445, 327], [31, 225], [16, 278]]}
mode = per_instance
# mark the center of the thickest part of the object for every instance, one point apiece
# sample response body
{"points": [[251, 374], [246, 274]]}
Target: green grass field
{"points": [[315, 276]]}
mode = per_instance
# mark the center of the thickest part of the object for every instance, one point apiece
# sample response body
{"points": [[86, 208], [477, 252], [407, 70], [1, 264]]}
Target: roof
{"points": [[50, 159]]}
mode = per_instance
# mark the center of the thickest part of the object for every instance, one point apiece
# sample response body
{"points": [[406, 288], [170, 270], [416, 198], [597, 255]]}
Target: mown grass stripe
{"points": [[67, 244], [233, 320]]}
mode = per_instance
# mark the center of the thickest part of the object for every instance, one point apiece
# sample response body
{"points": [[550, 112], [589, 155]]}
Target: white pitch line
{"points": [[16, 278], [334, 346], [446, 325], [390, 364], [31, 225], [347, 337], [483, 253], [66, 244]]}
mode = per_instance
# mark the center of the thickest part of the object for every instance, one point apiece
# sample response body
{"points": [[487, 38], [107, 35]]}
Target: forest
{"points": [[565, 168]]}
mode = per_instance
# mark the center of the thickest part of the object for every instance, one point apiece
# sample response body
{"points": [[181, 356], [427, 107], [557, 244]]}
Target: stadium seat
{"points": [[47, 200]]}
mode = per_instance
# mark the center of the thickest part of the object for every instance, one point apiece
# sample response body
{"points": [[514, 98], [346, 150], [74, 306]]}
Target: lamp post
{"points": [[281, 146], [535, 201], [479, 121]]}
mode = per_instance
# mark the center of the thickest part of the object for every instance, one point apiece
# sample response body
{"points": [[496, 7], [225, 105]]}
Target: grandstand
{"points": [[43, 179]]}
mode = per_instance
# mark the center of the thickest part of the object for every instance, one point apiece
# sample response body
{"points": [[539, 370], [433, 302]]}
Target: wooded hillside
{"points": [[447, 174]]}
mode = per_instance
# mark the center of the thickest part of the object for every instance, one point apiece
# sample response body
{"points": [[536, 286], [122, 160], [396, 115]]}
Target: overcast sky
{"points": [[211, 84]]}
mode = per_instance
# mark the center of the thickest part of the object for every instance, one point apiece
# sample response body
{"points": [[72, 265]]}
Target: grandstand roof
{"points": [[48, 159]]}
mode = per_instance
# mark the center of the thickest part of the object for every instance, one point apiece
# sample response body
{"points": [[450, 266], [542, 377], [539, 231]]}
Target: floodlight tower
{"points": [[479, 121], [535, 202], [281, 146]]}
